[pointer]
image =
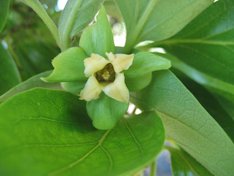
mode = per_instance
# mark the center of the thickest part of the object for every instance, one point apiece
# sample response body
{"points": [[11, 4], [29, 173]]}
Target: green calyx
{"points": [[68, 66]]}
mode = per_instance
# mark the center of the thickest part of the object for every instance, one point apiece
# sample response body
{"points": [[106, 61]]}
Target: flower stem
{"points": [[65, 28], [153, 168]]}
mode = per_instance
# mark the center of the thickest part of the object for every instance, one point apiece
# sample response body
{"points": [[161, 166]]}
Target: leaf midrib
{"points": [[203, 78], [71, 165], [194, 41]]}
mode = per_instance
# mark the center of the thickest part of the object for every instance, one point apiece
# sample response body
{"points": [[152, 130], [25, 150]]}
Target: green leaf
{"points": [[50, 132], [145, 62], [31, 83], [207, 80], [157, 19], [222, 91], [76, 15], [68, 66], [216, 106], [5, 5], [184, 165], [205, 48], [188, 123], [98, 38], [9, 75], [105, 112]]}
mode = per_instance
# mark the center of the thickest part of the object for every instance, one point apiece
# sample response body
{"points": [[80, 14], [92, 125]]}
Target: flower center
{"points": [[106, 75]]}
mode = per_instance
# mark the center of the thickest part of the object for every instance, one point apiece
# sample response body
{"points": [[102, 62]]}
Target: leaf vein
{"points": [[75, 163], [135, 140], [109, 157]]}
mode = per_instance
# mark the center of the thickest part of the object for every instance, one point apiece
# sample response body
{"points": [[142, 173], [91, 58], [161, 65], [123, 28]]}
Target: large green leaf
{"points": [[188, 123], [157, 19], [218, 110], [76, 15], [222, 91], [9, 75], [184, 165], [46, 132], [4, 5], [205, 48]]}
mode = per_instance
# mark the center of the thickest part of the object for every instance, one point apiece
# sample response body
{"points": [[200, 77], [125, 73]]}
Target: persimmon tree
{"points": [[66, 87]]}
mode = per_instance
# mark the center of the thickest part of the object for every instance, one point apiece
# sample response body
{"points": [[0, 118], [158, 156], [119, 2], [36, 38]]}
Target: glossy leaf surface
{"points": [[50, 132]]}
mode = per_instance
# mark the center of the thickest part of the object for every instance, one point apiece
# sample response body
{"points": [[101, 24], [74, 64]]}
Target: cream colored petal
{"points": [[91, 90], [118, 89], [110, 56], [94, 64], [120, 61]]}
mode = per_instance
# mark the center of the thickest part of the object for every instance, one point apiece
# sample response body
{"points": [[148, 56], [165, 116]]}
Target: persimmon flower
{"points": [[107, 76]]}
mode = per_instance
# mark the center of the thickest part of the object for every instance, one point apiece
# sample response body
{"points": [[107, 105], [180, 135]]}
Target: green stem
{"points": [[153, 168], [66, 28], [41, 12], [142, 21]]}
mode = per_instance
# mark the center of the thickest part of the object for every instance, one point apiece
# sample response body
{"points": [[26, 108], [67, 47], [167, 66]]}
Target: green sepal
{"points": [[138, 83], [146, 62], [68, 66], [105, 112], [98, 38], [74, 87]]}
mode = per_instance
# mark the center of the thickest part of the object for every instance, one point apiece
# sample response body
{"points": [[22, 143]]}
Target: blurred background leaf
{"points": [[184, 165], [29, 41], [9, 75], [4, 9]]}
